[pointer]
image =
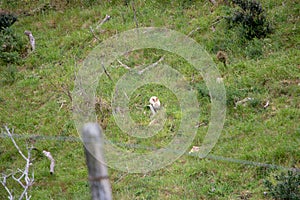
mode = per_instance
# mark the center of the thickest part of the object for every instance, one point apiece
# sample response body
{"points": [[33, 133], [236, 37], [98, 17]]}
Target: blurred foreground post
{"points": [[98, 175]]}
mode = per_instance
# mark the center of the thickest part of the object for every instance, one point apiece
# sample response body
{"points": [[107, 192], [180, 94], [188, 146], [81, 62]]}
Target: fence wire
{"points": [[143, 147]]}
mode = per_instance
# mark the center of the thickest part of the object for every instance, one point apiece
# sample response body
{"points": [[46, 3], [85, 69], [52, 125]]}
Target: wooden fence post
{"points": [[98, 175]]}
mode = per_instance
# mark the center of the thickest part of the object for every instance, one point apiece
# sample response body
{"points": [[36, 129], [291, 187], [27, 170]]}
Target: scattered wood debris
{"points": [[242, 102]]}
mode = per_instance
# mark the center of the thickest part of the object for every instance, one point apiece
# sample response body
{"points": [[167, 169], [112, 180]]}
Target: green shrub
{"points": [[285, 186], [250, 18], [254, 49], [6, 20], [8, 74], [11, 49], [11, 46]]}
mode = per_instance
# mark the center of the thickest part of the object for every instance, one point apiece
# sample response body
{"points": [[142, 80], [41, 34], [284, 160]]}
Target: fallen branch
{"points": [[106, 18], [31, 39], [123, 65], [152, 65], [107, 74], [243, 101], [52, 164], [195, 30], [94, 34]]}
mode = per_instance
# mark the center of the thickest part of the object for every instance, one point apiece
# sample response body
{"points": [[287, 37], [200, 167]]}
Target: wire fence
{"points": [[143, 147]]}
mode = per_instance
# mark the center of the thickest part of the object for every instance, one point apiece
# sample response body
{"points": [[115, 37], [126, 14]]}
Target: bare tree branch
{"points": [[105, 71], [3, 182], [152, 65], [123, 65], [106, 18], [14, 142], [24, 177], [94, 34], [195, 30]]}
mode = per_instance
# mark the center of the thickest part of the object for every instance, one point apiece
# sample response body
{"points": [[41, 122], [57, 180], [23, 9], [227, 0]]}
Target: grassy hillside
{"points": [[35, 97]]}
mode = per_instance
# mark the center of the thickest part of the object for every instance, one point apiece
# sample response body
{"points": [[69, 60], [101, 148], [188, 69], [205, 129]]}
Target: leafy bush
{"points": [[250, 17], [8, 75], [11, 49], [6, 20], [11, 46], [254, 49], [286, 186]]}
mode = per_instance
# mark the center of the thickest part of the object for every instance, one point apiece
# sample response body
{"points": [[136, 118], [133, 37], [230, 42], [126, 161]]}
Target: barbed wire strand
{"points": [[137, 146]]}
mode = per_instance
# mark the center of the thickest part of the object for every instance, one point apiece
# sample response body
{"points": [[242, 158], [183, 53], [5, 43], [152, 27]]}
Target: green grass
{"points": [[35, 100]]}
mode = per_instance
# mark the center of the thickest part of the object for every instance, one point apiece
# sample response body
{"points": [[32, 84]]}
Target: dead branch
{"points": [[106, 18], [31, 39], [216, 21], [195, 30], [24, 180], [123, 65], [94, 34], [52, 164], [152, 65], [3, 182], [105, 71], [243, 101]]}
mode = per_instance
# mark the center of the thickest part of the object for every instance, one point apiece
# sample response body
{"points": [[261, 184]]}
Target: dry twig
{"points": [[123, 65], [106, 18], [195, 30], [243, 101], [24, 180], [151, 66], [94, 34], [105, 71]]}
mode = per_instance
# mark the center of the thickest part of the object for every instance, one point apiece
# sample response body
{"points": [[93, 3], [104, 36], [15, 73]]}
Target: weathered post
{"points": [[98, 175]]}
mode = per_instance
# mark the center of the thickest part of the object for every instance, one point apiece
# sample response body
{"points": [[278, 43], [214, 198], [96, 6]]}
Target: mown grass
{"points": [[36, 102]]}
